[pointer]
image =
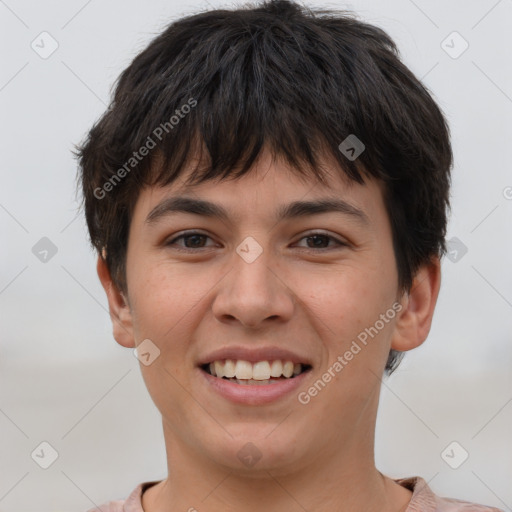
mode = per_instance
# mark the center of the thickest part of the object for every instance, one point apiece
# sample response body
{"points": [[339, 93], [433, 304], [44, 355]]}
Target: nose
{"points": [[254, 293]]}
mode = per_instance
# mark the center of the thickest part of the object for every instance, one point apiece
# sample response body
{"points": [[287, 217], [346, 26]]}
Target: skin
{"points": [[311, 299]]}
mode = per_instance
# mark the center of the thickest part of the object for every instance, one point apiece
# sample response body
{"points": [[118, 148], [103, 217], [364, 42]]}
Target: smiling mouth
{"points": [[259, 373]]}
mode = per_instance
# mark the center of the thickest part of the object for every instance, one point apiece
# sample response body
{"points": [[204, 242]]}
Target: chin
{"points": [[258, 450]]}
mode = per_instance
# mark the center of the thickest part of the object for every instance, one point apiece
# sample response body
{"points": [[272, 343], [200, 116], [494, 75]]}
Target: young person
{"points": [[268, 197]]}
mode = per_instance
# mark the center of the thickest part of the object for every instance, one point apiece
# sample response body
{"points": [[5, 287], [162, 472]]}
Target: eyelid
{"points": [[340, 241], [186, 233]]}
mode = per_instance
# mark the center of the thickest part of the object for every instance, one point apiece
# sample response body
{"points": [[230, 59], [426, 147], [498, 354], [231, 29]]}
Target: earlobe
{"points": [[415, 319], [119, 309]]}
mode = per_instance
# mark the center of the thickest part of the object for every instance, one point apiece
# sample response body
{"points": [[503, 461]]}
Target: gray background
{"points": [[64, 380]]}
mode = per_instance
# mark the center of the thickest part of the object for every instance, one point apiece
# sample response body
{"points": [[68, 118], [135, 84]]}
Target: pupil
{"points": [[194, 237], [317, 238]]}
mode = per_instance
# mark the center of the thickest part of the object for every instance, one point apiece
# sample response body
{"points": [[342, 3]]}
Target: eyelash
{"points": [[188, 234]]}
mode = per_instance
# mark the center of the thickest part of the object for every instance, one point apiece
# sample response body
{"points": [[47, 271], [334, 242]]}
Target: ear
{"points": [[415, 318], [120, 312]]}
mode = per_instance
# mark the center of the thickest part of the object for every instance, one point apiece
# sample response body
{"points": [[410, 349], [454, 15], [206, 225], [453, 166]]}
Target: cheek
{"points": [[346, 300], [165, 296], [346, 310]]}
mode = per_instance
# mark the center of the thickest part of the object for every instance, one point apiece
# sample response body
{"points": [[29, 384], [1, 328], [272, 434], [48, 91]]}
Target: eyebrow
{"points": [[296, 209]]}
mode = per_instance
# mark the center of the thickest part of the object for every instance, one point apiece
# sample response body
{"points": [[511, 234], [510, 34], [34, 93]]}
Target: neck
{"points": [[341, 481]]}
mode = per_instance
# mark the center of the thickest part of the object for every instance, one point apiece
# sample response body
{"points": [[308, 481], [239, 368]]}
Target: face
{"points": [[257, 286]]}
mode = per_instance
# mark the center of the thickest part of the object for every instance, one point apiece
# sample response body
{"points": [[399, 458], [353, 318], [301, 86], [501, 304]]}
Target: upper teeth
{"points": [[262, 370]]}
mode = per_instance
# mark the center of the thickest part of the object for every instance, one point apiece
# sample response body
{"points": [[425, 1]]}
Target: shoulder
{"points": [[111, 506], [131, 504], [424, 500], [453, 505]]}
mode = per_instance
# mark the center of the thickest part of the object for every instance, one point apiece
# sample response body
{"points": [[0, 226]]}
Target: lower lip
{"points": [[254, 394]]}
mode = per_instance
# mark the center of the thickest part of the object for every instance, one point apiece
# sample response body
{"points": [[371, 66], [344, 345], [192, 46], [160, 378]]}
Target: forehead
{"points": [[268, 189]]}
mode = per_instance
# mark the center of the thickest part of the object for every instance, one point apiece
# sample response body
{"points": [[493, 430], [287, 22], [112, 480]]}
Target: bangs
{"points": [[271, 88]]}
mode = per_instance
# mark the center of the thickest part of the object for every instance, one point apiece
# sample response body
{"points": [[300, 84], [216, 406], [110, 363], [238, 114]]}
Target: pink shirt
{"points": [[423, 500]]}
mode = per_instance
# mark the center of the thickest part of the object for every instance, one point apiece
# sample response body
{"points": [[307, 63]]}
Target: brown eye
{"points": [[192, 240], [321, 241]]}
